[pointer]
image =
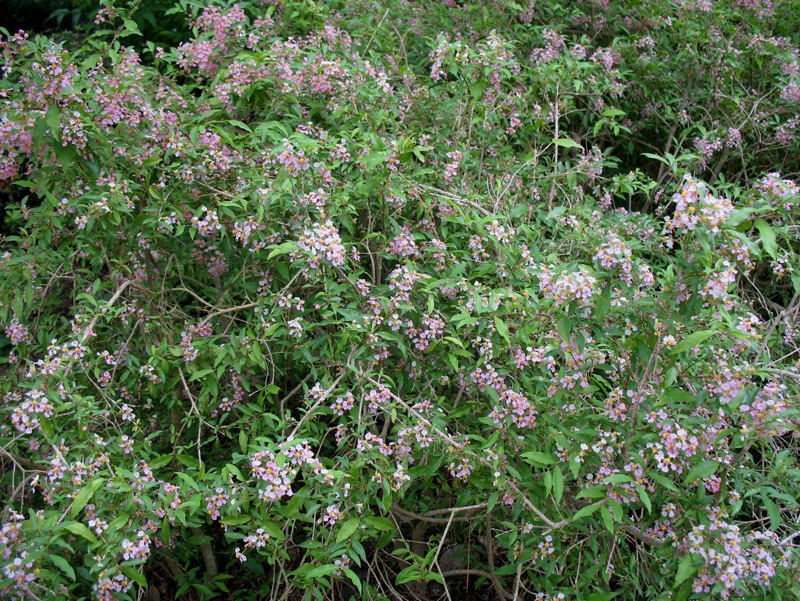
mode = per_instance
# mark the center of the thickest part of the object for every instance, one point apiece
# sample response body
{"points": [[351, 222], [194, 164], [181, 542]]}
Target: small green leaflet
{"points": [[321, 571], [53, 119], [135, 575], [348, 529], [272, 529], [565, 327], [608, 520], [704, 469], [130, 25], [566, 143], [558, 484], [539, 458], [663, 480], [767, 237], [63, 565], [81, 530], [595, 492], [82, 498], [380, 523], [685, 569], [353, 578], [502, 329], [282, 249], [644, 497], [588, 510], [692, 340]]}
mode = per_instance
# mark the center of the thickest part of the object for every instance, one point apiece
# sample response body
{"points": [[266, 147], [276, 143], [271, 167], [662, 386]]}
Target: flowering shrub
{"points": [[325, 303]]}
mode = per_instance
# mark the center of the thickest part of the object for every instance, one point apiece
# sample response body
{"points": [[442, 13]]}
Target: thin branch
{"points": [[463, 448]]}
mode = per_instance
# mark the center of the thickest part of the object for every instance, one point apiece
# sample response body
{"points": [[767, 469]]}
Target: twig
{"points": [[460, 446], [23, 463], [369, 43], [428, 516], [444, 536], [311, 410]]}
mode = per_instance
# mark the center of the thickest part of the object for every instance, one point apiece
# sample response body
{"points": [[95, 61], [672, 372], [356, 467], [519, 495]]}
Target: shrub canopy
{"points": [[336, 300]]}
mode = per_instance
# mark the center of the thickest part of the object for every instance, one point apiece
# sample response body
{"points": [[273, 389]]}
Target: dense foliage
{"points": [[403, 300]]}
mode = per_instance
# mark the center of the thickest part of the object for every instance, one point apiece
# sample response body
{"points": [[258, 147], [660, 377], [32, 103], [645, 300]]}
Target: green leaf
{"points": [[617, 479], [380, 523], [80, 530], [594, 492], [566, 143], [272, 529], [502, 329], [160, 462], [131, 26], [321, 571], [616, 509], [118, 522], [602, 308], [200, 374], [348, 529], [608, 520], [282, 249], [409, 574], [662, 480], [565, 327], [655, 157], [90, 62], [558, 484], [574, 466], [767, 237], [685, 569], [82, 498], [692, 340], [539, 458], [165, 531], [353, 578], [644, 497], [737, 216], [453, 360], [188, 461], [63, 565], [704, 469], [773, 512], [53, 119], [236, 520], [585, 511], [257, 356], [240, 125], [135, 575]]}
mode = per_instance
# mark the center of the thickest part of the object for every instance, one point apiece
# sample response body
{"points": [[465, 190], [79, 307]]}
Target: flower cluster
{"points": [[694, 204], [732, 558], [187, 336], [343, 404], [568, 286], [515, 406], [323, 242], [278, 480], [26, 417], [216, 501], [137, 549], [18, 333]]}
